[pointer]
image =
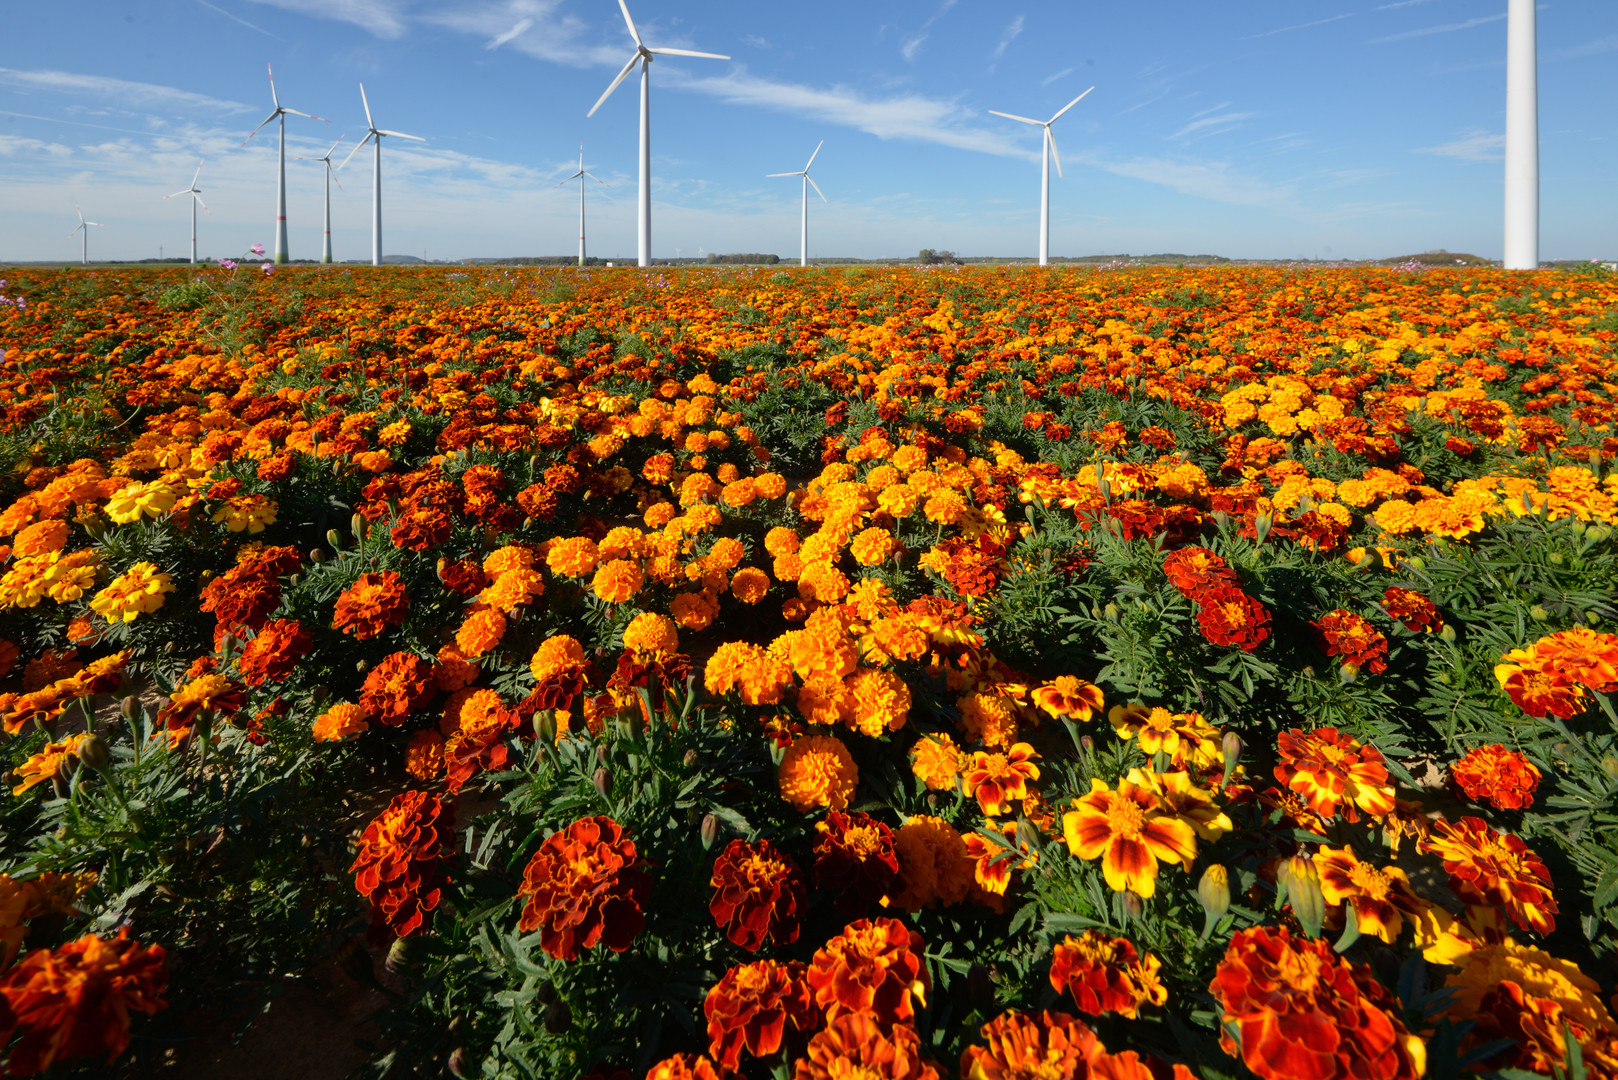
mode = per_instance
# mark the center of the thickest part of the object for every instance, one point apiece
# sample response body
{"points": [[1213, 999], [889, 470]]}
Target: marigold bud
{"points": [[356, 525], [335, 539], [1348, 673], [691, 758], [1110, 613], [1447, 632], [318, 555], [1300, 887], [1262, 523], [709, 832], [459, 1063], [1539, 613], [130, 707], [545, 726], [603, 782], [1213, 889], [1609, 765], [1132, 905], [93, 752]]}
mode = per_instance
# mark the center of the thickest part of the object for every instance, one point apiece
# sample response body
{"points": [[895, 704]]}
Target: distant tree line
{"points": [[715, 259], [930, 256]]}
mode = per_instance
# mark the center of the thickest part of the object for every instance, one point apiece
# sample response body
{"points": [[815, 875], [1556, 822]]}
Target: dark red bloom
{"points": [[753, 1007], [1230, 617], [758, 891], [856, 859], [1410, 607], [397, 866], [584, 887], [1349, 637]]}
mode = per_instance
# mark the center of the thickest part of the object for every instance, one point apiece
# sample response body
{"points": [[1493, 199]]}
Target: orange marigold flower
{"points": [[1538, 688], [398, 686], [584, 887], [937, 761], [758, 894], [397, 865], [694, 610], [856, 857], [555, 654], [1020, 1046], [1381, 899], [1504, 777], [1331, 769], [1105, 974], [1536, 1028], [1489, 867], [274, 653], [74, 1001], [873, 546], [481, 630], [754, 674], [1068, 696], [1186, 738], [1229, 616], [999, 780], [573, 556], [53, 761], [1129, 830], [651, 633], [1583, 656], [987, 718], [618, 580], [752, 1007], [1487, 965], [1294, 1008], [817, 770], [1195, 570], [1410, 607], [749, 584], [454, 669], [371, 605], [881, 701], [41, 537], [856, 1046], [1348, 636], [934, 864], [340, 722], [206, 693], [424, 755], [873, 969]]}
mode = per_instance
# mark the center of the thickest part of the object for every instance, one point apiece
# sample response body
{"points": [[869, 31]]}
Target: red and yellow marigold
{"points": [[755, 1008], [584, 887], [758, 895], [1129, 830], [1105, 974], [1330, 769], [874, 968]]}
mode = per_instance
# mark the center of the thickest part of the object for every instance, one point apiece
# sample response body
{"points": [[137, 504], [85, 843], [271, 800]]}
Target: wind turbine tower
{"points": [[325, 247], [374, 136], [84, 227], [580, 177], [280, 114], [1522, 137], [803, 230], [1045, 173], [196, 197], [643, 57]]}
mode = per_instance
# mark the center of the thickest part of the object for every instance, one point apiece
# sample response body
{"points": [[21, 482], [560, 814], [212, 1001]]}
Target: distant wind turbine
{"points": [[325, 247], [281, 174], [580, 177], [196, 198], [84, 227], [808, 182], [1045, 173], [1522, 138], [643, 57], [374, 136]]}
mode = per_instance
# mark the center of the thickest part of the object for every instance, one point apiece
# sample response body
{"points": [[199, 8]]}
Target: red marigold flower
{"points": [[752, 1007], [855, 1045], [1293, 1008], [1489, 867], [1583, 656], [274, 653], [477, 742], [1504, 777], [1381, 899], [1537, 688], [1536, 1027], [758, 891], [371, 605], [397, 865], [1130, 830], [1348, 636], [584, 887], [998, 781], [1105, 974], [397, 687], [1069, 696], [1229, 616], [1195, 570], [421, 528], [873, 968], [1410, 607], [1020, 1046], [856, 859], [1330, 769], [206, 693], [74, 1000]]}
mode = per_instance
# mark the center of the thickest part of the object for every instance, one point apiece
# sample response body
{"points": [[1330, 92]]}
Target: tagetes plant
{"points": [[875, 672]]}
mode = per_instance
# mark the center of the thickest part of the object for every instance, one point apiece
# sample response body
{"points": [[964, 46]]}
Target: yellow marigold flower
{"points": [[28, 579], [152, 500], [945, 506], [249, 512], [822, 582], [899, 500], [987, 718], [618, 580], [53, 761], [881, 701], [872, 546], [1185, 737], [1381, 898], [817, 770], [341, 721], [72, 576], [998, 781], [138, 590], [934, 864], [937, 761], [1540, 974], [1130, 832], [395, 434], [1068, 696], [649, 632], [1183, 799]]}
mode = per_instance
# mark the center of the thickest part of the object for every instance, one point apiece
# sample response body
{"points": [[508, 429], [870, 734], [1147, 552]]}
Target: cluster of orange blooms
{"points": [[519, 479]]}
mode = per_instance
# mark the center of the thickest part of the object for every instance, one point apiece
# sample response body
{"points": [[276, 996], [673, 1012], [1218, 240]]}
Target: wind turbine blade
{"points": [[310, 115], [622, 75], [1022, 119], [816, 186], [351, 153], [97, 224], [198, 173], [79, 212], [771, 175], [1051, 135], [814, 155], [367, 103], [256, 130], [400, 134], [1068, 106], [197, 197], [686, 52], [75, 231], [187, 191], [632, 31], [597, 179], [334, 146], [273, 97], [331, 172]]}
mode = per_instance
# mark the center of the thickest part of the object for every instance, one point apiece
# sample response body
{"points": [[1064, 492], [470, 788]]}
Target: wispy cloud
{"points": [[1299, 26], [149, 95], [233, 17], [1444, 29], [1213, 125], [1402, 4], [912, 44], [1013, 28], [1591, 48], [1213, 180], [547, 33], [755, 41], [17, 145], [1064, 73], [522, 27], [382, 18], [1476, 145]]}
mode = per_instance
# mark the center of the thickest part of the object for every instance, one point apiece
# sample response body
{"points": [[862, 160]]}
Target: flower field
{"points": [[866, 675]]}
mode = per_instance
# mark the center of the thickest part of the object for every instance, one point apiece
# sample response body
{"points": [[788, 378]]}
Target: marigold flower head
{"points": [[1195, 570], [857, 859], [208, 692], [454, 668], [53, 761], [1105, 974], [1583, 656], [874, 968], [749, 584], [1489, 867], [480, 631], [138, 590], [555, 654], [371, 605], [1539, 975], [274, 653], [653, 634], [1129, 830], [753, 1007], [342, 721], [1330, 769], [855, 1046], [998, 781], [1504, 777], [131, 503], [1536, 1030], [817, 770], [1186, 738], [1380, 898], [758, 895], [1070, 697], [1229, 616], [398, 686], [753, 673], [880, 700], [584, 887], [397, 867], [618, 580], [1415, 611], [1355, 641], [572, 556], [40, 538], [694, 610], [1023, 1046], [424, 755], [934, 864], [987, 718]]}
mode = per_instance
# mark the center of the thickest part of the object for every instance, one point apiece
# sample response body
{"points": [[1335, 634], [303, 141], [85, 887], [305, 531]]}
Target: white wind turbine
{"points": [[374, 136], [803, 231], [1045, 173], [580, 177], [84, 227], [196, 197], [1522, 137], [280, 114], [643, 57], [325, 247]]}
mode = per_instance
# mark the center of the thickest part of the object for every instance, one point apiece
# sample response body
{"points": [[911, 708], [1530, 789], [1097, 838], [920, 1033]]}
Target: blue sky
{"points": [[1265, 128]]}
